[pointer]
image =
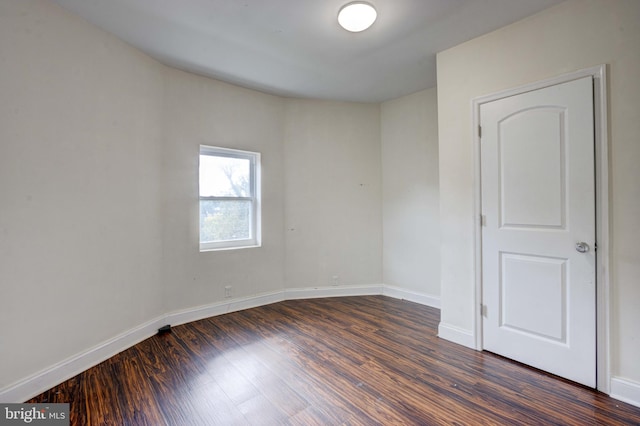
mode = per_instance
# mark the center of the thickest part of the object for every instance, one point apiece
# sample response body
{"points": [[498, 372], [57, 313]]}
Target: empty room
{"points": [[259, 212]]}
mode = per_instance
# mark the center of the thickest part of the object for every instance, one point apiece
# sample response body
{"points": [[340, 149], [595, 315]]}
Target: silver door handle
{"points": [[582, 247]]}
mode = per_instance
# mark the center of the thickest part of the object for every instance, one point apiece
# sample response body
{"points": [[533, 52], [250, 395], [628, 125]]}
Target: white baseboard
{"points": [[64, 370], [338, 291], [231, 305], [456, 335], [412, 296], [625, 390], [621, 389]]}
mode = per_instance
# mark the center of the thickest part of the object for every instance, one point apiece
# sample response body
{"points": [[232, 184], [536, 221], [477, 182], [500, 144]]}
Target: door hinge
{"points": [[480, 132], [483, 220], [483, 310]]}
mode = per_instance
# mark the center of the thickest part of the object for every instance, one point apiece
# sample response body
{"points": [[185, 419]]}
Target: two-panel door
{"points": [[538, 234]]}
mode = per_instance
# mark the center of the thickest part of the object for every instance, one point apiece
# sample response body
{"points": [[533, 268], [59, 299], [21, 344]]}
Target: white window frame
{"points": [[254, 184]]}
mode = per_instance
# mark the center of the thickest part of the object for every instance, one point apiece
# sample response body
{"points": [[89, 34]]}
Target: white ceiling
{"points": [[296, 48]]}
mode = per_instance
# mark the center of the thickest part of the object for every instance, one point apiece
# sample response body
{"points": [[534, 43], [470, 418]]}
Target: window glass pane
{"points": [[224, 176], [224, 220]]}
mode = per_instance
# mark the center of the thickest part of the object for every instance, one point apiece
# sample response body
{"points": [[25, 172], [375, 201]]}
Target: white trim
{"points": [[456, 335], [254, 198], [64, 370], [625, 390], [412, 296], [599, 74], [37, 383], [477, 227], [603, 230], [338, 291], [219, 308]]}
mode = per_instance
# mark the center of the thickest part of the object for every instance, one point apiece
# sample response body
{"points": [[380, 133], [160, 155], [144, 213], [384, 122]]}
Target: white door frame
{"points": [[599, 74]]}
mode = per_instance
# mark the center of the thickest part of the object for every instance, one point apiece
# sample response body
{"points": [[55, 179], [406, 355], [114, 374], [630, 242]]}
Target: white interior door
{"points": [[538, 234]]}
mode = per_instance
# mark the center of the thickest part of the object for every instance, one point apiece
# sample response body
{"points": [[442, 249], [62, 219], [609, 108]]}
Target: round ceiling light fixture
{"points": [[357, 16]]}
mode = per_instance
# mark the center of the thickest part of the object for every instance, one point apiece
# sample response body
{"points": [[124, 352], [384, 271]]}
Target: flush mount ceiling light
{"points": [[357, 16]]}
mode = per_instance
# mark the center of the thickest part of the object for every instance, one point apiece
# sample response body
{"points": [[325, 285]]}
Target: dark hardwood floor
{"points": [[338, 361]]}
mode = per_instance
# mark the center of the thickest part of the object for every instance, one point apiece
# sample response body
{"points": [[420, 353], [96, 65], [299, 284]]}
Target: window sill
{"points": [[238, 247]]}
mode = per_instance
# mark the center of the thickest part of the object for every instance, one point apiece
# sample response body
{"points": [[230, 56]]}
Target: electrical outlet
{"points": [[227, 291], [335, 280]]}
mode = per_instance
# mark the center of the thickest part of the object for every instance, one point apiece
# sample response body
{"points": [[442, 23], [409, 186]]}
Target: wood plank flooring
{"points": [[368, 360]]}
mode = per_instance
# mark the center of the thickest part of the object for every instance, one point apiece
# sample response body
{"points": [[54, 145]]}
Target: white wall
{"points": [[80, 167], [411, 214], [98, 189], [332, 193], [573, 35], [198, 111]]}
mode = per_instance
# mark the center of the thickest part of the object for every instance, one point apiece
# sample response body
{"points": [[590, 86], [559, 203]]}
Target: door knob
{"points": [[582, 247]]}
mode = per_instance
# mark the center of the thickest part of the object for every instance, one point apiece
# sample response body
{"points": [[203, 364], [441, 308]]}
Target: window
{"points": [[229, 198]]}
